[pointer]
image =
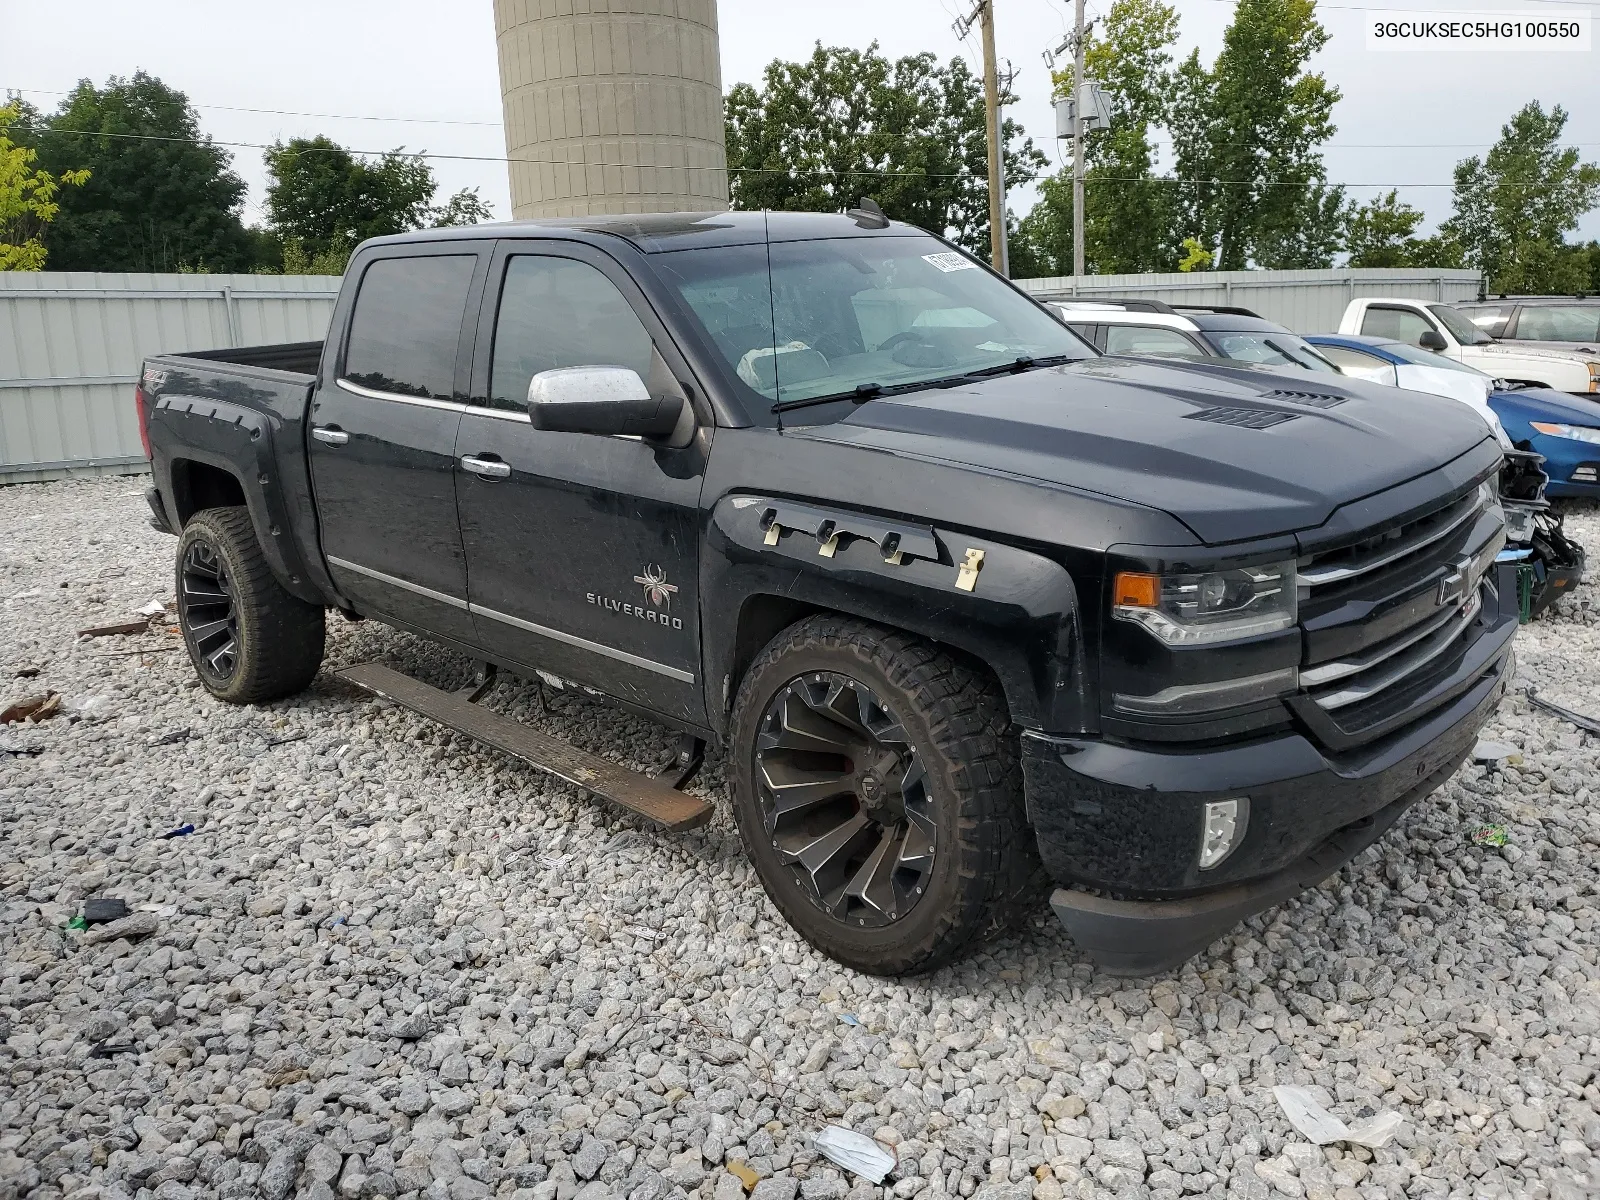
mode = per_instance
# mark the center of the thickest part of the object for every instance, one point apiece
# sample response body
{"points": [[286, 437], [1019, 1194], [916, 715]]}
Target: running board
{"points": [[663, 806]]}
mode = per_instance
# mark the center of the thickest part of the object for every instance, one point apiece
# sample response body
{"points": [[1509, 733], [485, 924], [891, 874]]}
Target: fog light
{"points": [[1225, 822]]}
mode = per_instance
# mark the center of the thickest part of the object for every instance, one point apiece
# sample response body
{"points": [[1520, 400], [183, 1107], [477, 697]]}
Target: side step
{"points": [[665, 807]]}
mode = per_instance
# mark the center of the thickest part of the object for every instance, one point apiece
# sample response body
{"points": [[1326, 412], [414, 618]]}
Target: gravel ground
{"points": [[387, 962]]}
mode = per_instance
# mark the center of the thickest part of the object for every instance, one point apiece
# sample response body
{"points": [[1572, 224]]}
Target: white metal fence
{"points": [[1305, 301], [71, 343]]}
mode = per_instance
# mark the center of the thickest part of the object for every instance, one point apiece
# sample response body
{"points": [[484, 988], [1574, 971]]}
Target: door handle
{"points": [[486, 468], [331, 434]]}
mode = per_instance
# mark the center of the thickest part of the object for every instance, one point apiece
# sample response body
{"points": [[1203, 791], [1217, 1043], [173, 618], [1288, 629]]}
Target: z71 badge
{"points": [[657, 591]]}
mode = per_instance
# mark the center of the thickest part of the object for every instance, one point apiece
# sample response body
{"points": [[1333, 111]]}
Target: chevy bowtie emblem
{"points": [[656, 588]]}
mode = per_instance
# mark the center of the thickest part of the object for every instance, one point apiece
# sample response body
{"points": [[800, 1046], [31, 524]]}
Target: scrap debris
{"points": [[1490, 835], [123, 627], [26, 673], [32, 709], [99, 909], [1590, 724], [1320, 1127], [856, 1152], [1495, 753], [183, 830]]}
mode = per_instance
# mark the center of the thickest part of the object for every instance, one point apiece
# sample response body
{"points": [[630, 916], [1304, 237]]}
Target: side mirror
{"points": [[600, 400], [1432, 339]]}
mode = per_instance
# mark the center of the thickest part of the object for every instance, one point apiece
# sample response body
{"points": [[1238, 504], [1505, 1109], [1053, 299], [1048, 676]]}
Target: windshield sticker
{"points": [[950, 261]]}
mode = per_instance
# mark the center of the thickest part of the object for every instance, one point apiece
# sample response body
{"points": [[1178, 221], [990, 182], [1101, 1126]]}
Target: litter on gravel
{"points": [[856, 1152], [1317, 1125]]}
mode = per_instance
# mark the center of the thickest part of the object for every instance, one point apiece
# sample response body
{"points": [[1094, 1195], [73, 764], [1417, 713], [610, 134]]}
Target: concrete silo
{"points": [[611, 106]]}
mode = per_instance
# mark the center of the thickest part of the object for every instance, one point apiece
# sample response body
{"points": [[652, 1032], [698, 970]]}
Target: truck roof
{"points": [[654, 232]]}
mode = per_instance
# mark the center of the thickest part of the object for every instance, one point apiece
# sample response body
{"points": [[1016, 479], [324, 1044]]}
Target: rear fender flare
{"points": [[238, 441]]}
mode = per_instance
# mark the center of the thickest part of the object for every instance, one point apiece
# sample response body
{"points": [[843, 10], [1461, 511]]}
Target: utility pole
{"points": [[1077, 142], [983, 15]]}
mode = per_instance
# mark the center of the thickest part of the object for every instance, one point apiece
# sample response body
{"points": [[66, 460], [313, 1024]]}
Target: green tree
{"points": [[1128, 222], [27, 196], [159, 195], [1381, 233], [322, 200], [1251, 128], [466, 207], [1127, 212], [1514, 207], [819, 134]]}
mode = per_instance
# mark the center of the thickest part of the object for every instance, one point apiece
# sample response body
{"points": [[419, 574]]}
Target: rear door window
{"points": [[1559, 323], [407, 325], [1401, 324], [1148, 339]]}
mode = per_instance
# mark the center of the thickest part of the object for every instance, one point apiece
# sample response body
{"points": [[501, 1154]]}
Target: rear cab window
{"points": [[406, 327]]}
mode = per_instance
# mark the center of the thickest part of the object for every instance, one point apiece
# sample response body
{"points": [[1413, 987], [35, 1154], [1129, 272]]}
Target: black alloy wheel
{"points": [[206, 605], [845, 799]]}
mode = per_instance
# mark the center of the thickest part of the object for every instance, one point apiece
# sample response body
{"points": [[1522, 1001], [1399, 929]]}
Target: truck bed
{"points": [[303, 358], [221, 425]]}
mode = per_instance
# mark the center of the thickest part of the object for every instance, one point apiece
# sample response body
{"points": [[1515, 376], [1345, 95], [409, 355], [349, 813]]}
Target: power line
{"points": [[864, 173], [289, 112]]}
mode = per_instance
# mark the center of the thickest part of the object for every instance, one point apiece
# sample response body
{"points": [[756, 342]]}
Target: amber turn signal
{"points": [[1134, 589]]}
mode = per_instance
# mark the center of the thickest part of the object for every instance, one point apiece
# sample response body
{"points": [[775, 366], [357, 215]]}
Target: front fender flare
{"points": [[1021, 618]]}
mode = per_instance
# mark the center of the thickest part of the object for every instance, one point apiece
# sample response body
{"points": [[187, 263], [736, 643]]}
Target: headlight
{"points": [[1216, 606], [1578, 433]]}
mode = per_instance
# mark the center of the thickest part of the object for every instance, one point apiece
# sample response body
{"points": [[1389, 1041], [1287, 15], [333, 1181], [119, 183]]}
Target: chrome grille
{"points": [[1371, 572], [1378, 552]]}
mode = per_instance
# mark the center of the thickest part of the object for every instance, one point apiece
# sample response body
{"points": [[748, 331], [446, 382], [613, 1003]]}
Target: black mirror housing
{"points": [[606, 401], [1432, 339]]}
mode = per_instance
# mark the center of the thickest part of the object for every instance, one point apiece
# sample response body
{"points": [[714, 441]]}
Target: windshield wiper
{"points": [[859, 394], [863, 392], [1023, 362]]}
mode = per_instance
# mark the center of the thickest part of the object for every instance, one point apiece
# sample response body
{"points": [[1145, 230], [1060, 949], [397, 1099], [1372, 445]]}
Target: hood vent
{"points": [[1312, 399], [1242, 418]]}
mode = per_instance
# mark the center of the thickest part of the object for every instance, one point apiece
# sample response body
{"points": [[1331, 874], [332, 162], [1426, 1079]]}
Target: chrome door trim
{"points": [[393, 581], [422, 401], [584, 644]]}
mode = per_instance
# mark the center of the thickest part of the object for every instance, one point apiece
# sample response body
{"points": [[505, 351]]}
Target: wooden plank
{"points": [[663, 806]]}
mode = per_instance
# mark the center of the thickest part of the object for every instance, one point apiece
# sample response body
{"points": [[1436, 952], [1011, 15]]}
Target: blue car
{"points": [[1564, 429]]}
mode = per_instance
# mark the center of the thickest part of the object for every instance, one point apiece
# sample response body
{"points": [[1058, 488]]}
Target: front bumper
{"points": [[1119, 826]]}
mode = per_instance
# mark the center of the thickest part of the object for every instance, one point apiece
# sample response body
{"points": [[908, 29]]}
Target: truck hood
{"points": [[1159, 435]]}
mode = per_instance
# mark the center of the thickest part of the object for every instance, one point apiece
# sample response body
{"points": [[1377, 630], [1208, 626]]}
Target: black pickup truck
{"points": [[973, 611]]}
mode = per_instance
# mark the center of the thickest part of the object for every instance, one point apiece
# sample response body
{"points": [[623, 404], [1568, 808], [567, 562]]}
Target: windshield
{"points": [[853, 316], [1272, 350], [1425, 358], [1460, 327]]}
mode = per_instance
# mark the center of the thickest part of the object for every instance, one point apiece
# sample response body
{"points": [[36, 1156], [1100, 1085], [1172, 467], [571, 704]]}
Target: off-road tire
{"points": [[986, 875], [279, 636]]}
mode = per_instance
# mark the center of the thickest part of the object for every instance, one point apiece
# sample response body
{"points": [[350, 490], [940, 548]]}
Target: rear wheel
{"points": [[249, 639], [878, 794]]}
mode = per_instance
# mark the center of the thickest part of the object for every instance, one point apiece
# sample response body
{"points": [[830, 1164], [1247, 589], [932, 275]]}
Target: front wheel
{"points": [[877, 792], [249, 639]]}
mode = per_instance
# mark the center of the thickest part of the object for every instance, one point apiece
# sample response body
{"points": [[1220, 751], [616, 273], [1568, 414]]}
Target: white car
{"points": [[1447, 331]]}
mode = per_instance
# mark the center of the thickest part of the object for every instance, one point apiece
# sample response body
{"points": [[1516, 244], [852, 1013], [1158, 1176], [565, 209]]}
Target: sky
{"points": [[382, 74]]}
